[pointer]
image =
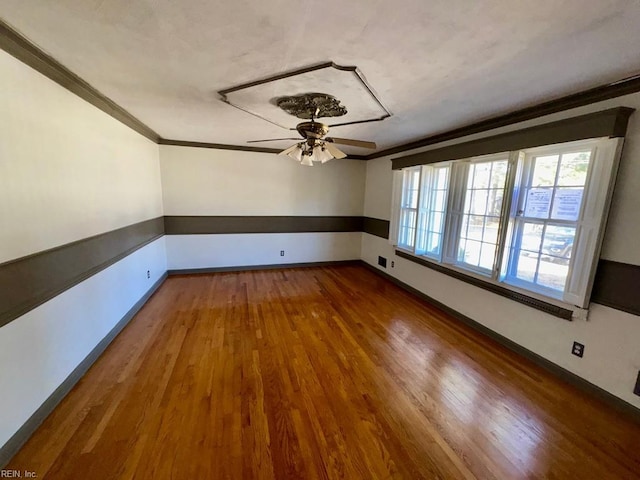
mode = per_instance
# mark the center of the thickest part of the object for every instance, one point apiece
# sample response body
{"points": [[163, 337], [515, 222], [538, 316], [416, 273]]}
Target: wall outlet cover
{"points": [[578, 349]]}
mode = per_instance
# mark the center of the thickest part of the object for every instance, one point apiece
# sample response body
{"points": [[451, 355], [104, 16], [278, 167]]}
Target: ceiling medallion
{"points": [[311, 105]]}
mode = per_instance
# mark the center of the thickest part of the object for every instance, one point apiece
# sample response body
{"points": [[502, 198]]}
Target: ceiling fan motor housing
{"points": [[317, 129]]}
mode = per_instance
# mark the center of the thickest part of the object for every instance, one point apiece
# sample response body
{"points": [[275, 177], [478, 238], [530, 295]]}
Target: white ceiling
{"points": [[436, 64]]}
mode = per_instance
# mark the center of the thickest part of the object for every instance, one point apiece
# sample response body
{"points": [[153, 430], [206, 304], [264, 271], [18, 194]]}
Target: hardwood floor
{"points": [[319, 373]]}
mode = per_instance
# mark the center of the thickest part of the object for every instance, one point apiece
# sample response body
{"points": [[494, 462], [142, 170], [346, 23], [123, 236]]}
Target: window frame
{"points": [[596, 196]]}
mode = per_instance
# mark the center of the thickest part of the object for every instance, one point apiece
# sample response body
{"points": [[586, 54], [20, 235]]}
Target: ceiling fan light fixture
{"points": [[307, 160], [322, 155], [295, 153]]}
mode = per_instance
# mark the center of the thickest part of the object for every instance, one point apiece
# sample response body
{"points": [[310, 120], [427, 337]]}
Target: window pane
{"points": [[494, 205], [443, 175], [480, 174], [558, 243], [532, 237], [439, 200], [411, 181], [573, 169], [476, 223], [543, 258], [487, 255], [481, 215], [499, 174], [552, 275], [490, 234], [407, 227], [432, 209], [433, 244], [527, 266], [479, 201], [544, 173], [471, 252], [529, 254], [421, 239], [435, 223]]}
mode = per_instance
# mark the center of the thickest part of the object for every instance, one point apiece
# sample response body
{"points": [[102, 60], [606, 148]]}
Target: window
{"points": [[409, 207], [547, 217], [433, 197], [530, 220], [477, 242]]}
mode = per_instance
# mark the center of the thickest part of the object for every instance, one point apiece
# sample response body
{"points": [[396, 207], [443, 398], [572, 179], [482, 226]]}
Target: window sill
{"points": [[530, 301]]}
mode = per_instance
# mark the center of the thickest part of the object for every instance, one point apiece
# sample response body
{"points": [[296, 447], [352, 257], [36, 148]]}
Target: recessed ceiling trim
{"points": [[300, 71], [21, 48]]}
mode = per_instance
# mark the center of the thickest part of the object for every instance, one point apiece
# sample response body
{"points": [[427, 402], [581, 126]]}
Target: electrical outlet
{"points": [[282, 253], [382, 262], [578, 349], [148, 274], [393, 264], [636, 390]]}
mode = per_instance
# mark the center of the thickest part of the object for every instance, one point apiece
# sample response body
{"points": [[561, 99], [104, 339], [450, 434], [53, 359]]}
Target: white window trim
{"points": [[587, 244]]}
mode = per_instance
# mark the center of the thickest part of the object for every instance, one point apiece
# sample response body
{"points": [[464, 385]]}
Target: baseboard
{"points": [[571, 378], [15, 443], [275, 266]]}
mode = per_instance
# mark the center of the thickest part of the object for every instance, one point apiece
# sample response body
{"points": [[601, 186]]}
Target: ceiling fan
{"points": [[315, 145]]}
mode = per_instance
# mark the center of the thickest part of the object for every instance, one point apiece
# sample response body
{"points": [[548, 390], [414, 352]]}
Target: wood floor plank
{"points": [[319, 373]]}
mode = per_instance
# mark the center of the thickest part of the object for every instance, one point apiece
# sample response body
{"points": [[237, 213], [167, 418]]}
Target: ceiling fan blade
{"points": [[272, 140], [334, 151], [353, 143]]}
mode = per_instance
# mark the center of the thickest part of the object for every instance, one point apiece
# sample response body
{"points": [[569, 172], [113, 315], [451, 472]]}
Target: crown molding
{"points": [[217, 146]]}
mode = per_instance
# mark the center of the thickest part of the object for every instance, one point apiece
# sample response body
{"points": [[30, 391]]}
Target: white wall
{"points": [[39, 350], [67, 171], [200, 181], [612, 356], [232, 250]]}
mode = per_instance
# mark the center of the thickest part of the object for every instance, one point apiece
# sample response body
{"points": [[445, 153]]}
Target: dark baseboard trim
{"points": [[541, 305], [25, 51], [15, 443], [274, 266], [571, 378], [28, 282]]}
